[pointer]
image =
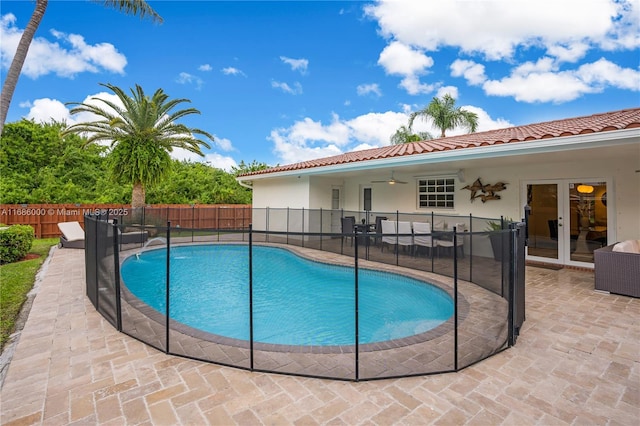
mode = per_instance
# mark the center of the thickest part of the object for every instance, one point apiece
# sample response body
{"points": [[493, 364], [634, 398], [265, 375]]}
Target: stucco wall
{"points": [[315, 192]]}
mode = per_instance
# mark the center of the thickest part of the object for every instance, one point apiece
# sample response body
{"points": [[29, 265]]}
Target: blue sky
{"points": [[282, 82]]}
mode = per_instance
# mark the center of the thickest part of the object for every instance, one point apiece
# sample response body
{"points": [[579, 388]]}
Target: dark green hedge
{"points": [[15, 243]]}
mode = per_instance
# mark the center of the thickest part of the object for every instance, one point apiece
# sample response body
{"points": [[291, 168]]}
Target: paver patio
{"points": [[577, 361]]}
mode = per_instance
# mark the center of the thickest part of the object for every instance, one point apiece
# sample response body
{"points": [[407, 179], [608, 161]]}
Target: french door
{"points": [[569, 219]]}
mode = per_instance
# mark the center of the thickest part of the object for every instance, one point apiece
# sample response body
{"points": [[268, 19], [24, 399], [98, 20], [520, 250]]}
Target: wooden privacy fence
{"points": [[44, 218]]}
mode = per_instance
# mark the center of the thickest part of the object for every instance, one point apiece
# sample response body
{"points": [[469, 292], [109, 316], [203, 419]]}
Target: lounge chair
{"points": [[72, 235]]}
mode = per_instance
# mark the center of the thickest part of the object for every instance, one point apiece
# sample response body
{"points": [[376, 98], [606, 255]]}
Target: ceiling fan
{"points": [[390, 181]]}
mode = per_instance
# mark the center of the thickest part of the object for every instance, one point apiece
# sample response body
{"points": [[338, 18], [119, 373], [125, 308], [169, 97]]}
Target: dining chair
{"points": [[422, 237]]}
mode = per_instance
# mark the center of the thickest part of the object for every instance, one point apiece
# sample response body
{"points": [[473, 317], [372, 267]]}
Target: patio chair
{"points": [[448, 244], [378, 229], [72, 235], [405, 235], [422, 237], [348, 227], [388, 236]]}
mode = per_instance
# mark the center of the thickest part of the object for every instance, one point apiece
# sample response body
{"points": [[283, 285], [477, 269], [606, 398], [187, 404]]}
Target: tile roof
{"points": [[616, 120]]}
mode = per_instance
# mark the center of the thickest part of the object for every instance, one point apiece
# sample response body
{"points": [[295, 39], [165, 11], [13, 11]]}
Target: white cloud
{"points": [[485, 122], [603, 72], [413, 86], [447, 90], [308, 139], [295, 90], [543, 82], [205, 67], [290, 152], [365, 89], [558, 31], [186, 78], [569, 52], [223, 143], [296, 64], [45, 110], [66, 57], [232, 71], [471, 71], [400, 59], [213, 159], [220, 161], [495, 28]]}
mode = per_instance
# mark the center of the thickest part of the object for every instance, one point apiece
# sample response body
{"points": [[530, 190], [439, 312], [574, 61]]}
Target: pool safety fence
{"points": [[484, 279]]}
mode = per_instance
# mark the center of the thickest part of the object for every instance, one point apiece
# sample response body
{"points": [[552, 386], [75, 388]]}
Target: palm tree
{"points": [[446, 116], [135, 7], [405, 135], [142, 133]]}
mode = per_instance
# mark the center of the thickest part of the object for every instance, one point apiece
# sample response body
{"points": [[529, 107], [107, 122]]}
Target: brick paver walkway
{"points": [[577, 362]]}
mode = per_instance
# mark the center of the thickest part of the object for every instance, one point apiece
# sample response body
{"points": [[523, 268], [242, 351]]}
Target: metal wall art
{"points": [[485, 192]]}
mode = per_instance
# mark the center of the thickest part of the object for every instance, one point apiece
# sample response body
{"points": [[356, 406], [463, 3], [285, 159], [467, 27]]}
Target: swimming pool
{"points": [[296, 301]]}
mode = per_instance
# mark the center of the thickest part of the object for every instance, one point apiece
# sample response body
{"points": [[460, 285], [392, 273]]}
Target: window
{"points": [[436, 193], [367, 199]]}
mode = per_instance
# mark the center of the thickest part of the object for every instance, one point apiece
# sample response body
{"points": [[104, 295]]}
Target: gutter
{"points": [[246, 185]]}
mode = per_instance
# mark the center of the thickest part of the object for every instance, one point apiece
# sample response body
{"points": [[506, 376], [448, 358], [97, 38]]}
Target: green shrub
{"points": [[15, 243]]}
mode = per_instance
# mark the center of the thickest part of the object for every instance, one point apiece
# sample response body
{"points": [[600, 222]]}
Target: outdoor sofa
{"points": [[617, 268]]}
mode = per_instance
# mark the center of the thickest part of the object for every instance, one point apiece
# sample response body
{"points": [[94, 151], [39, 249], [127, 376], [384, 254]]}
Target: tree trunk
{"points": [[137, 196], [18, 60]]}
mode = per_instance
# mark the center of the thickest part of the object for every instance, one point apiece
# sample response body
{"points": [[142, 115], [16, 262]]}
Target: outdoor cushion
{"points": [[628, 246], [72, 231]]}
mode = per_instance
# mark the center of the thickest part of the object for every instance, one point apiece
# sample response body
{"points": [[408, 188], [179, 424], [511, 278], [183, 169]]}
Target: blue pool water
{"points": [[296, 301]]}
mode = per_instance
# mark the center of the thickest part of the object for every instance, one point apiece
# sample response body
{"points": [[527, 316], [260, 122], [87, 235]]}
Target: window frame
{"points": [[447, 184]]}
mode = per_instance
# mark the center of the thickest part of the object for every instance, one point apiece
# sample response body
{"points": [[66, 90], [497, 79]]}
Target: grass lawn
{"points": [[16, 279]]}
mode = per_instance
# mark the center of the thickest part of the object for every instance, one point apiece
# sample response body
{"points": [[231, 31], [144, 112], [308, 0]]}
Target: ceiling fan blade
{"points": [[390, 181]]}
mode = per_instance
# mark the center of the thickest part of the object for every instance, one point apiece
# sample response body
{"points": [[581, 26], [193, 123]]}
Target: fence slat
{"points": [[44, 218]]}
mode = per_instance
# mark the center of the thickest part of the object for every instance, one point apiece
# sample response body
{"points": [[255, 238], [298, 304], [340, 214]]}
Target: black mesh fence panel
{"points": [[303, 315], [209, 302], [287, 302], [106, 281], [91, 259], [143, 289]]}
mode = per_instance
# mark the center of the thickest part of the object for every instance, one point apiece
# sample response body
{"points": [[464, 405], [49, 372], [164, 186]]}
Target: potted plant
{"points": [[499, 240]]}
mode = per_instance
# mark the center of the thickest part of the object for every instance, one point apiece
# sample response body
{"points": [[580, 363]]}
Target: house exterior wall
{"points": [[625, 191], [315, 192]]}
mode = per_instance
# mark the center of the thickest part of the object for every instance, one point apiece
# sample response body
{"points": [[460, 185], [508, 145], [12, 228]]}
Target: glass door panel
{"points": [[543, 221], [587, 219]]}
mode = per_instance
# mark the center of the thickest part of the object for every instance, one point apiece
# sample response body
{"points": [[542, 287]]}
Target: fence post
{"points": [[116, 261], [455, 298], [357, 308], [470, 247], [251, 297], [321, 238], [96, 245], [167, 289]]}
